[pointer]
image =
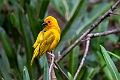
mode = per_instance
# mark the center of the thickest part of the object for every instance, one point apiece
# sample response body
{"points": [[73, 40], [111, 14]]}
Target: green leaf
{"points": [[27, 37], [118, 57], [113, 38], [25, 74], [40, 7], [70, 76], [72, 24], [35, 23], [110, 64], [73, 59], [2, 18], [2, 2], [4, 66], [5, 59], [82, 72], [3, 79], [7, 45], [20, 63], [59, 6], [13, 19], [102, 9], [15, 4], [88, 73], [105, 69], [42, 4], [36, 20], [99, 40], [77, 9], [46, 69]]}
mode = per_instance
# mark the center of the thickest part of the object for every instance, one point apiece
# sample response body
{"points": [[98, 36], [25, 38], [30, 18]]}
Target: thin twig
{"points": [[105, 33], [50, 59], [107, 14], [58, 67], [83, 59], [87, 46], [61, 70], [41, 77], [51, 66]]}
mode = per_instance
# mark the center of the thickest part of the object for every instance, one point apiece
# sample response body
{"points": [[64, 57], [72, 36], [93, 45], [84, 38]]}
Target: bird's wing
{"points": [[37, 44], [39, 39], [42, 44], [48, 40], [36, 51]]}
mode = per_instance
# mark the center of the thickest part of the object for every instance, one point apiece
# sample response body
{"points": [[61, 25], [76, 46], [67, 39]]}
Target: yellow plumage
{"points": [[48, 38]]}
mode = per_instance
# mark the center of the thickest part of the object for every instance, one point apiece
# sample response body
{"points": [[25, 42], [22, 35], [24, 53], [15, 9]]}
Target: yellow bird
{"points": [[48, 38]]}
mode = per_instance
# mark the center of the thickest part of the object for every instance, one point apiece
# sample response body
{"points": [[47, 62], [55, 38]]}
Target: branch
{"points": [[84, 56], [50, 58], [41, 77], [61, 70], [107, 14], [88, 43], [105, 33]]}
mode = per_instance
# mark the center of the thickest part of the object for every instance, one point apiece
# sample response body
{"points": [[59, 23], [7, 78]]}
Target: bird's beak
{"points": [[43, 24]]}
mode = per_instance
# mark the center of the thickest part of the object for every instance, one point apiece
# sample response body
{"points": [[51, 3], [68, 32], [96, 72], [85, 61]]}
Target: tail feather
{"points": [[36, 51]]}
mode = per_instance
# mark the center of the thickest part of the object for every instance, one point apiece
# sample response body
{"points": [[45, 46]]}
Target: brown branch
{"points": [[87, 46], [50, 59], [61, 70], [41, 77], [91, 36], [107, 14], [84, 56], [105, 33]]}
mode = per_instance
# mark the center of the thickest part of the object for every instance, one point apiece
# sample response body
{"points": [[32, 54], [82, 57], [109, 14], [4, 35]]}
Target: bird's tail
{"points": [[36, 51]]}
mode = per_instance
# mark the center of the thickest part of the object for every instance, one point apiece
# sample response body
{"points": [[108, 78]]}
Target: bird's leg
{"points": [[50, 58], [52, 55]]}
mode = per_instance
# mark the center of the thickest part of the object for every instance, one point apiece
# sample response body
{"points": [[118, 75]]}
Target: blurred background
{"points": [[20, 23]]}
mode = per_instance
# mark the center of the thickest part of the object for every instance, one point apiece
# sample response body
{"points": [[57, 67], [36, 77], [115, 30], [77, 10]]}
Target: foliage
{"points": [[112, 68], [20, 23]]}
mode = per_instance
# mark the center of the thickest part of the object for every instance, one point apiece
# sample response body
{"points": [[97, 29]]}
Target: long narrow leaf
{"points": [[70, 76], [73, 59], [8, 48], [102, 9], [43, 4], [105, 69], [72, 26], [4, 65], [25, 74], [36, 15], [46, 68], [33, 20], [110, 64], [118, 57], [88, 73], [27, 40]]}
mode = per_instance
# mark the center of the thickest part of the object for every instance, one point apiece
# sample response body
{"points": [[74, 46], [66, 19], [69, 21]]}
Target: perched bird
{"points": [[48, 38]]}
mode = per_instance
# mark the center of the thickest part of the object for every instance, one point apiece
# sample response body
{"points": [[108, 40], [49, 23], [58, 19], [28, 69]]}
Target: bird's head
{"points": [[50, 22]]}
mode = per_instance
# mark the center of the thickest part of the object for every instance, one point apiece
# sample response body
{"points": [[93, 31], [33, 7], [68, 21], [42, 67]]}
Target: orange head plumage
{"points": [[50, 22]]}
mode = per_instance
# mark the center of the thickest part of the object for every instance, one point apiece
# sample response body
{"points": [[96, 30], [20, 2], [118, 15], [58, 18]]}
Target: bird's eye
{"points": [[44, 31], [48, 21]]}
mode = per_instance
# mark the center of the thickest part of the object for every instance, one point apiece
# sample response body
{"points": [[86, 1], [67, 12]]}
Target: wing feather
{"points": [[43, 43], [39, 39], [36, 52], [48, 40]]}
